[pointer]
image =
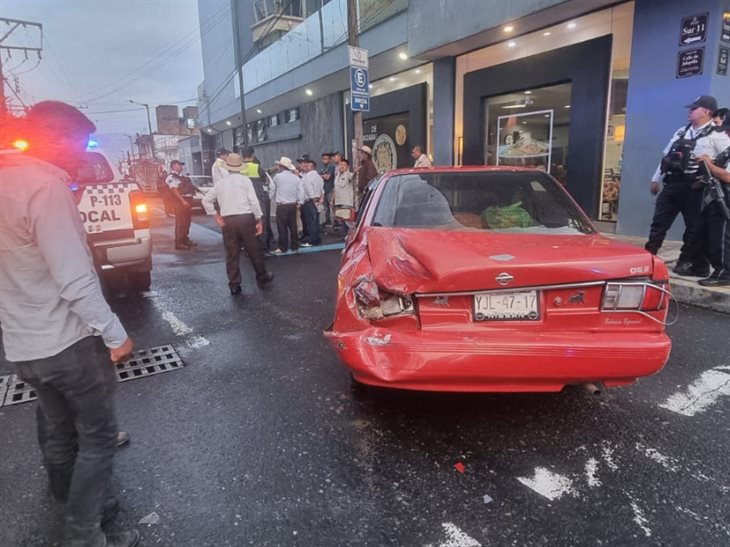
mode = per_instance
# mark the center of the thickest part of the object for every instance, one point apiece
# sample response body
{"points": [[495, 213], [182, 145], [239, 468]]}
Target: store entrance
{"points": [[561, 96]]}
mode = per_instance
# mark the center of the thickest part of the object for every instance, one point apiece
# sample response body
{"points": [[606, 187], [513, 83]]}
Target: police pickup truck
{"points": [[116, 219]]}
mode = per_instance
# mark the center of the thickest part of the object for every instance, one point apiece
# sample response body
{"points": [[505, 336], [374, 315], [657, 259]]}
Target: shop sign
{"points": [[690, 62], [725, 35], [722, 61], [388, 138], [358, 56], [694, 30]]}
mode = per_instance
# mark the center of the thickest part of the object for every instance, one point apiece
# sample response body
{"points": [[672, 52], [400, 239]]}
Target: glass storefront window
{"points": [[529, 128]]}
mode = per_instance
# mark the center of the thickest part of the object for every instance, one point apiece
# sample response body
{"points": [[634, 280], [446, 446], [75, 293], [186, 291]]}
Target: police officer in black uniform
{"points": [[682, 192], [715, 221]]}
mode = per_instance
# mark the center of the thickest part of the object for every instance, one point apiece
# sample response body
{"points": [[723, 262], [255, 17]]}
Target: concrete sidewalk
{"points": [[685, 289]]}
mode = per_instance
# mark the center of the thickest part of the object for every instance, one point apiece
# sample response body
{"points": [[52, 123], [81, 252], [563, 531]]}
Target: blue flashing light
{"points": [[92, 144]]}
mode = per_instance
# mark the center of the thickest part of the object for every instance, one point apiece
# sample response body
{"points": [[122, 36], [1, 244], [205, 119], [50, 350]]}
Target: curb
{"points": [[687, 291]]}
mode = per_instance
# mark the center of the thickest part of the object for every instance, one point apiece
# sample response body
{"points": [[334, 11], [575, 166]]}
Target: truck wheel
{"points": [[139, 281]]}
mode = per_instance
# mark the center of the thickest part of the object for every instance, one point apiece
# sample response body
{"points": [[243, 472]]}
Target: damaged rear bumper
{"points": [[504, 362]]}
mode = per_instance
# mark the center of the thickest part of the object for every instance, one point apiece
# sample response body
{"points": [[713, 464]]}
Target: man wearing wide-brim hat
{"points": [[367, 170], [241, 222], [289, 196]]}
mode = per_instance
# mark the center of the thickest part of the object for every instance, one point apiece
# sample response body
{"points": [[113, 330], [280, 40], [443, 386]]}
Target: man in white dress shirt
{"points": [[313, 199], [219, 171], [422, 161], [241, 214]]}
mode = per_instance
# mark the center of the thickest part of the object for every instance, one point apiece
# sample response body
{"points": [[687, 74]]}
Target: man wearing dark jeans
{"points": [[240, 219], [288, 194], [313, 198], [57, 328]]}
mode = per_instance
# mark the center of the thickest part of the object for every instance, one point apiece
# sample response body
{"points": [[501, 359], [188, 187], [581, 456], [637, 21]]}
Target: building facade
{"points": [[589, 90]]}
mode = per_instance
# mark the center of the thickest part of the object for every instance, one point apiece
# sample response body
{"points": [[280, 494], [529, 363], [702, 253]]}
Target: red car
{"points": [[492, 279]]}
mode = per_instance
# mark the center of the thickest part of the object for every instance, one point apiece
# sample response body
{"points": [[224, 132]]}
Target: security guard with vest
{"points": [[682, 192], [253, 170], [715, 222]]}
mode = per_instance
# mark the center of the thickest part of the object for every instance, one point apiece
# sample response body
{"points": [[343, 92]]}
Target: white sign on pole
{"points": [[358, 57]]}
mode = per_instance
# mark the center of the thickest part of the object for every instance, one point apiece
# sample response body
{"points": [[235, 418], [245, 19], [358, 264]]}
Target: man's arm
{"points": [[720, 173], [57, 230], [253, 199], [209, 200]]}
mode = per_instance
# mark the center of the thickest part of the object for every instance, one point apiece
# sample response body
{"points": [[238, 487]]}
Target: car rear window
{"points": [[523, 202], [94, 169]]}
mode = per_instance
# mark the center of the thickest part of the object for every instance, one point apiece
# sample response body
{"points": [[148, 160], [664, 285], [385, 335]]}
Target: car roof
{"points": [[467, 169]]}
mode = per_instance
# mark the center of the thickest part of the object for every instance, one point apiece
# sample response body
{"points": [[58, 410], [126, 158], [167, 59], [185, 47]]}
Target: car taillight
{"points": [[140, 216], [375, 303], [634, 296]]}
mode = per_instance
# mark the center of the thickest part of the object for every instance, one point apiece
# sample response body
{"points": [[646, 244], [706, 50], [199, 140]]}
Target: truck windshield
{"points": [[94, 169]]}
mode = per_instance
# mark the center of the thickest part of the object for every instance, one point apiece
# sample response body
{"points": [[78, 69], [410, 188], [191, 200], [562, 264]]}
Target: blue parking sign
{"points": [[359, 89]]}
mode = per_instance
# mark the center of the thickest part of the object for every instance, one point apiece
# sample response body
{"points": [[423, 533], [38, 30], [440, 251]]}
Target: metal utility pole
{"points": [[239, 68], [353, 39], [149, 126], [7, 32]]}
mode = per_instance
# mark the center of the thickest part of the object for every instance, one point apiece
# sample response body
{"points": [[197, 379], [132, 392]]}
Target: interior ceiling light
{"points": [[391, 79], [567, 106], [418, 71], [228, 122], [528, 92], [547, 33], [309, 92], [258, 111], [514, 106], [571, 25], [370, 86], [508, 28], [403, 55], [511, 44]]}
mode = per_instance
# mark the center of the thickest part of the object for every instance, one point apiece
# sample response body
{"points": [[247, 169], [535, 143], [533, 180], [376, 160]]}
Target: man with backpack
{"points": [[682, 191]]}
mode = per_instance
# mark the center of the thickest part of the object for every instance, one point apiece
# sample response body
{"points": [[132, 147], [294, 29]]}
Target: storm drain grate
{"points": [[18, 392], [148, 362], [143, 363]]}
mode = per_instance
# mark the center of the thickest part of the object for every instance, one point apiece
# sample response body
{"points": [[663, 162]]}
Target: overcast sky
{"points": [[94, 53]]}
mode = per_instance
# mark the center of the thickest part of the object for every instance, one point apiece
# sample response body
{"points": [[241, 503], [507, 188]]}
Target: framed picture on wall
{"points": [[525, 139]]}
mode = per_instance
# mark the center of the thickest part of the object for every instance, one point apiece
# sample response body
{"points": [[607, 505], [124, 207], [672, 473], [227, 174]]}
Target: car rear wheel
{"points": [[139, 281]]}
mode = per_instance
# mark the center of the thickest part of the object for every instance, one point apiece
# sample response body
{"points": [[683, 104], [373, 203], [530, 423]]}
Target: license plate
{"points": [[506, 306]]}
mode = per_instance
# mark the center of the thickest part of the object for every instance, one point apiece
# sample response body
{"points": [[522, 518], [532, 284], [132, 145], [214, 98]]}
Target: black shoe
{"points": [[687, 269], [109, 511], [716, 280], [190, 242], [265, 280], [128, 538], [235, 289]]}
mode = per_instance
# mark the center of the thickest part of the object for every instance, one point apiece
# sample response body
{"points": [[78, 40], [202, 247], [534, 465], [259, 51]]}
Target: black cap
{"points": [[704, 101], [176, 162], [305, 157], [222, 151]]}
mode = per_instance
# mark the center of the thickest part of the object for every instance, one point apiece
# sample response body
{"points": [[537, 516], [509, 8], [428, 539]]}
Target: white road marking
{"points": [[607, 454], [456, 538], [667, 462], [701, 394], [548, 484], [178, 326], [640, 519], [591, 473]]}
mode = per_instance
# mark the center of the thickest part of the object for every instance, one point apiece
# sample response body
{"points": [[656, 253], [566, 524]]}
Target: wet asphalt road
{"points": [[260, 440]]}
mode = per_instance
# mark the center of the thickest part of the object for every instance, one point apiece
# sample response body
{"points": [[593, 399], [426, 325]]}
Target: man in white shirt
{"points": [[682, 193], [289, 196], [422, 161], [313, 199], [219, 170], [241, 214]]}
